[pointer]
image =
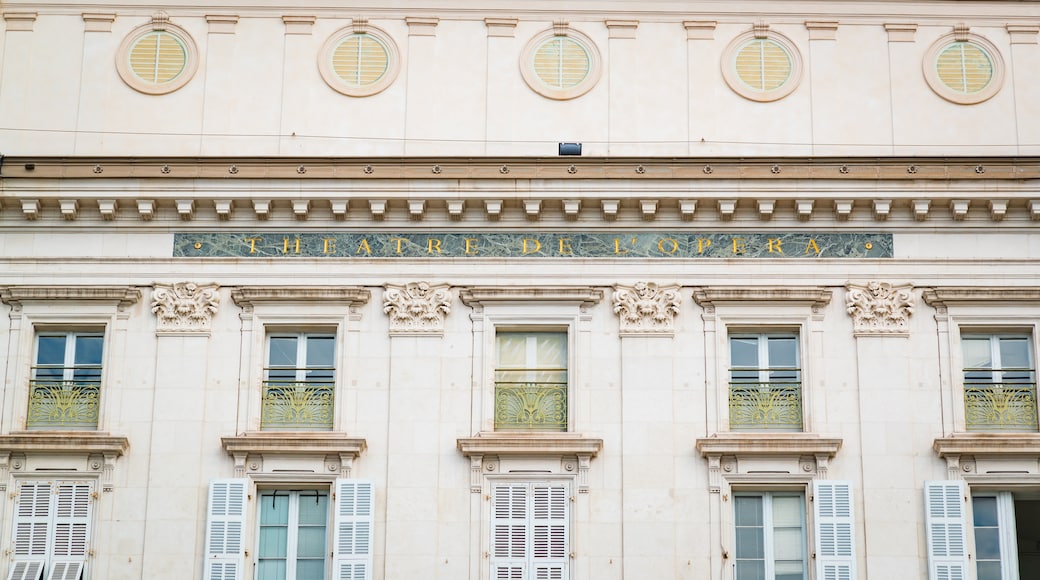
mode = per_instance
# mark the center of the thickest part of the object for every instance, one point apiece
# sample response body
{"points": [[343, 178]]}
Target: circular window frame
{"points": [[535, 83], [737, 85], [393, 62], [191, 59], [931, 75]]}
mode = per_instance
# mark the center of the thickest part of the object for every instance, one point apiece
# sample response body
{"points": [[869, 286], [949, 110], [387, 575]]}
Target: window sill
{"points": [[769, 444], [64, 442], [302, 451]]}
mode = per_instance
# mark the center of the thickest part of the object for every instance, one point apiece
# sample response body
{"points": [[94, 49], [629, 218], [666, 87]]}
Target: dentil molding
{"points": [[417, 307], [878, 308], [646, 308], [184, 306]]}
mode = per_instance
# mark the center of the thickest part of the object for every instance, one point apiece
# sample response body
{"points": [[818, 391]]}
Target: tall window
{"points": [[300, 384], [65, 389], [51, 530], [530, 536], [765, 390], [770, 542], [999, 383], [293, 535], [531, 381]]}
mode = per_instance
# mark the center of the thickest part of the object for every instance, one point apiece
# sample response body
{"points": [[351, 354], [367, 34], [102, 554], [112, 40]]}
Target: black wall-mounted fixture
{"points": [[570, 148]]}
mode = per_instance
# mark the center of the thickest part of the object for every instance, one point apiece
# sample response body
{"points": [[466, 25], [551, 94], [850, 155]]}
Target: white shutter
{"points": [[509, 531], [352, 522], [225, 524], [65, 570], [26, 570], [550, 526], [835, 530], [945, 524], [71, 529], [31, 519]]}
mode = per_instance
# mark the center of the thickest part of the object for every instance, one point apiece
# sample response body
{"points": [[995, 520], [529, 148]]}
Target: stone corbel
{"points": [[584, 461], [5, 464], [715, 473], [953, 466], [240, 463], [822, 460], [476, 461], [346, 464]]}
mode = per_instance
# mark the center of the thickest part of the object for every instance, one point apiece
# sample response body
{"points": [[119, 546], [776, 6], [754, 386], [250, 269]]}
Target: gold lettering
{"points": [[399, 241], [285, 246], [537, 246], [660, 245], [364, 246], [471, 246], [774, 243], [703, 244], [617, 248], [433, 244], [328, 246], [739, 245], [812, 246], [565, 247], [252, 244]]}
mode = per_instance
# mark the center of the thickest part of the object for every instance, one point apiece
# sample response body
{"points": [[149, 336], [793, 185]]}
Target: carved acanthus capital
{"points": [[184, 306], [880, 308], [646, 308], [417, 308]]}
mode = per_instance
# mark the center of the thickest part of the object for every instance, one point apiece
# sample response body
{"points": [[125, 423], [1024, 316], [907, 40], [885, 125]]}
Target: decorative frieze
{"points": [[184, 306], [417, 308], [646, 308], [879, 308]]}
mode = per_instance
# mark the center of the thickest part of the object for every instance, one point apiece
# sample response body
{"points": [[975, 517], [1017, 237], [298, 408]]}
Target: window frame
{"points": [[737, 84], [191, 58], [302, 345], [535, 83], [1006, 530], [68, 371], [762, 336], [292, 523], [930, 61], [488, 523], [531, 333], [994, 336], [337, 83], [767, 495]]}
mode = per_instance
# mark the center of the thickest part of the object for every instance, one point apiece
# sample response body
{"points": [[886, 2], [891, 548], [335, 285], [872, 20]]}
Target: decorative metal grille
{"points": [[63, 404], [297, 405], [540, 406], [765, 406], [1000, 406]]}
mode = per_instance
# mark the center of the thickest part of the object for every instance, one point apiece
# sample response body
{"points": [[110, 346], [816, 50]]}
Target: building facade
{"points": [[512, 290]]}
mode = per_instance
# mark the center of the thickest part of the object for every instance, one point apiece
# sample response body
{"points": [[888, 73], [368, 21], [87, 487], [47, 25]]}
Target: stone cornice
{"points": [[530, 444], [944, 296], [247, 296], [768, 444], [64, 442], [305, 442], [812, 295], [585, 295], [124, 295], [1003, 444]]}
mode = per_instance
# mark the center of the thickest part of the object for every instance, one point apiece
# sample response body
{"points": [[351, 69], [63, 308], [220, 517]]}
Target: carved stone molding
{"points": [[776, 457], [184, 306], [878, 308], [417, 308], [336, 452], [486, 449], [99, 450], [646, 308], [245, 297], [585, 295], [1006, 457]]}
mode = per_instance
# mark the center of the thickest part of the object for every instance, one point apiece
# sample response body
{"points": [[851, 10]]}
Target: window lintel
{"points": [[82, 442], [304, 442], [974, 295], [531, 444], [768, 445], [249, 296], [1005, 444], [482, 295], [818, 296], [123, 295]]}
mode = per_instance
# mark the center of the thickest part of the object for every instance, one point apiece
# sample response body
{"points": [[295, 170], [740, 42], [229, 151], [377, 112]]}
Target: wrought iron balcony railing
{"points": [[776, 406], [297, 405], [64, 404], [531, 406], [1000, 406]]}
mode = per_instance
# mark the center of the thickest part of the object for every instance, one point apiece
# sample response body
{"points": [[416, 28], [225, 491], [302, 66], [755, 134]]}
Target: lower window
{"points": [[1007, 529], [293, 536], [51, 530], [770, 542], [530, 530]]}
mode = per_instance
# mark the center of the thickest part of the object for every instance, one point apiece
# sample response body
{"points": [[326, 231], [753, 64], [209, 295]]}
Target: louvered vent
{"points": [[158, 57], [964, 67], [561, 62], [360, 60], [763, 64]]}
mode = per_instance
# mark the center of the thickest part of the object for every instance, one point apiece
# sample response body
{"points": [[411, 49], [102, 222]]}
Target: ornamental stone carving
{"points": [[184, 306], [417, 308], [646, 308], [879, 308]]}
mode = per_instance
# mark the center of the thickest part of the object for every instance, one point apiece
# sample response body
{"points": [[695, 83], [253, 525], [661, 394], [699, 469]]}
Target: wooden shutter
{"points": [[26, 570], [72, 512], [509, 539], [225, 525], [550, 522], [945, 524], [352, 522], [835, 530], [31, 525]]}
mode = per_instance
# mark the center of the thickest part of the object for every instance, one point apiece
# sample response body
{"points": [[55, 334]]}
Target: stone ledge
{"points": [[586, 295], [1006, 444], [64, 442], [295, 442], [124, 295], [972, 294], [815, 295], [530, 444], [249, 295], [769, 445]]}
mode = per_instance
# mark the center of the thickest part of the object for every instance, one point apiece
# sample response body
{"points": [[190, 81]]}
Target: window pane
{"points": [[749, 510], [310, 570], [320, 351], [988, 571], [311, 542], [273, 541], [743, 352], [551, 350], [314, 509], [751, 570], [274, 509], [271, 570], [987, 543], [283, 351], [787, 511], [977, 353], [88, 350], [783, 351], [51, 351], [750, 543], [1014, 353], [984, 510], [787, 544]]}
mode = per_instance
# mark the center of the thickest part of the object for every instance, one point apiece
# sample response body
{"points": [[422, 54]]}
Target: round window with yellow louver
{"points": [[964, 68], [560, 64], [762, 65], [359, 63], [156, 60]]}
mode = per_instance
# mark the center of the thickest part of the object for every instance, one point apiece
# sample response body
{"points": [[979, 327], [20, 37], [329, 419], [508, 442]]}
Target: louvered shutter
{"points": [[225, 524], [31, 523], [71, 529], [353, 517], [509, 531], [550, 523], [945, 524], [835, 530]]}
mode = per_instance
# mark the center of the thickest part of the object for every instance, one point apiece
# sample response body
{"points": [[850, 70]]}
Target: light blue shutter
{"points": [[509, 528], [945, 524], [352, 522], [835, 530], [225, 527]]}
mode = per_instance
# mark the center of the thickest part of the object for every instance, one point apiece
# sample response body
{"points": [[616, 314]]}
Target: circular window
{"points": [[359, 63], [560, 66], [762, 66], [964, 69], [157, 61]]}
